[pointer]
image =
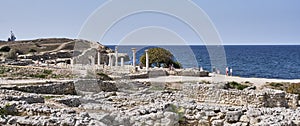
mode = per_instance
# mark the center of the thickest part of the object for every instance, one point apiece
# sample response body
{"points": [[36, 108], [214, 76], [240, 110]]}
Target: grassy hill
{"points": [[43, 47]]}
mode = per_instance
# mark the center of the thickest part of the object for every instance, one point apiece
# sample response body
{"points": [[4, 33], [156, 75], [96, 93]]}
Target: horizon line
{"points": [[213, 45], [280, 44]]}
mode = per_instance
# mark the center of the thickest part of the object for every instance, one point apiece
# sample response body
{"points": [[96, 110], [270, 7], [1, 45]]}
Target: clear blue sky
{"points": [[237, 21]]}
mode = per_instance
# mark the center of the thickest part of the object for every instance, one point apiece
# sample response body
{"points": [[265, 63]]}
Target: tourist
{"points": [[230, 71], [226, 71], [214, 70], [141, 65], [218, 71]]}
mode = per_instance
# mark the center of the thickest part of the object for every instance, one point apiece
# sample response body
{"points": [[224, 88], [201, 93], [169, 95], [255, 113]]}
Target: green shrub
{"points": [[236, 85], [7, 110], [32, 50], [294, 88], [2, 70], [47, 72], [276, 84], [3, 112], [43, 76], [5, 49], [179, 110], [103, 76], [205, 82]]}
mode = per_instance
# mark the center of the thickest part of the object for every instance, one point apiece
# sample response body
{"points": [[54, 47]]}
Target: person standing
{"points": [[230, 71], [227, 71]]}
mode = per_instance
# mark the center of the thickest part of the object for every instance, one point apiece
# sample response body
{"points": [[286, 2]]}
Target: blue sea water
{"points": [[263, 61]]}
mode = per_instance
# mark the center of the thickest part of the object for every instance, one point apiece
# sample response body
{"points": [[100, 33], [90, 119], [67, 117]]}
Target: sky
{"points": [[238, 22]]}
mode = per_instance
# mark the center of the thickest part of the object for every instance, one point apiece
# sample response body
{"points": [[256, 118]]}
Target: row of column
{"points": [[110, 61]]}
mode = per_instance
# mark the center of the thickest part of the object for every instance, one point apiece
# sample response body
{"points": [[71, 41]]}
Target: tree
{"points": [[159, 56]]}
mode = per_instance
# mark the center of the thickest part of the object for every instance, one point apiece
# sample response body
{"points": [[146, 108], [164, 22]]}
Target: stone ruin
{"points": [[216, 94]]}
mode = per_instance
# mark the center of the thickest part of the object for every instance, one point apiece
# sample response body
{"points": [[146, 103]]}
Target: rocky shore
{"points": [[139, 103]]}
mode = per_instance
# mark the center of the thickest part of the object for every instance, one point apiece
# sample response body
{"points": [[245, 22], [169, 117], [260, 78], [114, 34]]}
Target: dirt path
{"points": [[58, 48]]}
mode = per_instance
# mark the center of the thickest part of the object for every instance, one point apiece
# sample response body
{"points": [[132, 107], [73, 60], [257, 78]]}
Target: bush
{"points": [[236, 85], [103, 76], [43, 76], [32, 50], [5, 49], [47, 72], [4, 69], [294, 88], [205, 82], [7, 110], [179, 111], [276, 84], [3, 112]]}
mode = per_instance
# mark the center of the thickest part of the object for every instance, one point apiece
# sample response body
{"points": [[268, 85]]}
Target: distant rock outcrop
{"points": [[50, 48]]}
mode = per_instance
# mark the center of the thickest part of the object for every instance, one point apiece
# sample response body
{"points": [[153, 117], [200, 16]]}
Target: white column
{"points": [[99, 58], [109, 60], [147, 60], [116, 55], [122, 61], [72, 61], [133, 57]]}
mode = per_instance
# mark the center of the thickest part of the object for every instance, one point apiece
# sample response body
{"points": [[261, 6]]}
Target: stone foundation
{"points": [[252, 98], [66, 88], [50, 88], [90, 85]]}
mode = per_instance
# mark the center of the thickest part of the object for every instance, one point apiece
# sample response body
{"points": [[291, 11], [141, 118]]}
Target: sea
{"points": [[260, 61]]}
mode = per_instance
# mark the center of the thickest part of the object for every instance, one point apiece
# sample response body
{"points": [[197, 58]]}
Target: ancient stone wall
{"points": [[50, 88], [251, 98]]}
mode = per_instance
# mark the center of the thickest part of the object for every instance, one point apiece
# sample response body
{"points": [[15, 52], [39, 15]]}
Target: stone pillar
{"points": [[122, 61], [116, 55], [72, 61], [133, 57], [109, 60], [147, 60], [99, 58]]}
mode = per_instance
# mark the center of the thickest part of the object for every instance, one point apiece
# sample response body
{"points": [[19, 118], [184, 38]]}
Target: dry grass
{"points": [[40, 45]]}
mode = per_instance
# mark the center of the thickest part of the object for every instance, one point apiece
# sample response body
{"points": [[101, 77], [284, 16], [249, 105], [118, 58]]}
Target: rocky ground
{"points": [[137, 103]]}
